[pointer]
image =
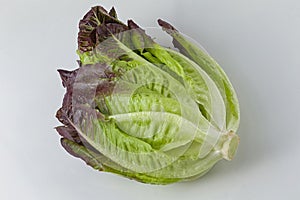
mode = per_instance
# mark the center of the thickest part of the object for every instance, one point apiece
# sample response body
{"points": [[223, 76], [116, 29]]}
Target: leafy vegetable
{"points": [[142, 110]]}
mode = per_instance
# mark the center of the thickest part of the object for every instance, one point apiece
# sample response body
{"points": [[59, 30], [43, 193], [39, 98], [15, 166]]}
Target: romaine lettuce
{"points": [[142, 110]]}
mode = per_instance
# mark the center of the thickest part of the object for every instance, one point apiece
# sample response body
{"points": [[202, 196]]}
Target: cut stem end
{"points": [[230, 145]]}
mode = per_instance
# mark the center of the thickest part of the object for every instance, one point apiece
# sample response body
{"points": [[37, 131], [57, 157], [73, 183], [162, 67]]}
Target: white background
{"points": [[256, 42]]}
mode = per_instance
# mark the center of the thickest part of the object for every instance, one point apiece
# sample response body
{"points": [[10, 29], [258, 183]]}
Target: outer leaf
{"points": [[90, 27], [127, 151], [202, 88], [100, 162], [163, 130], [211, 67]]}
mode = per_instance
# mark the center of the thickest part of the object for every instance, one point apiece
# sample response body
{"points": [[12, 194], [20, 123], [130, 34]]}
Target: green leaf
{"points": [[212, 68], [197, 167], [125, 150], [102, 163]]}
